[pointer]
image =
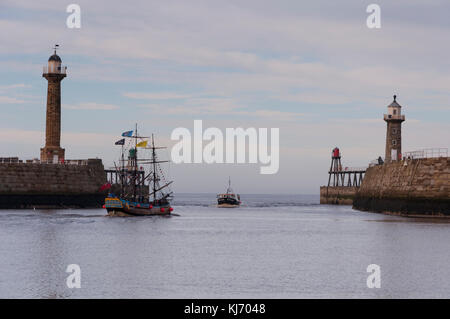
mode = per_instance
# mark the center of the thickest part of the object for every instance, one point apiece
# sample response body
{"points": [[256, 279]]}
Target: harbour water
{"points": [[274, 246]]}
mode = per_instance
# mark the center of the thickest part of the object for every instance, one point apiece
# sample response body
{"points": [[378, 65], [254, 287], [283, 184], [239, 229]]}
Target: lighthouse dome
{"points": [[55, 58], [394, 103]]}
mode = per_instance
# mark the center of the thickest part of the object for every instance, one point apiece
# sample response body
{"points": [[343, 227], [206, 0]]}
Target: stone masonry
{"points": [[337, 195], [409, 187], [52, 152], [27, 185]]}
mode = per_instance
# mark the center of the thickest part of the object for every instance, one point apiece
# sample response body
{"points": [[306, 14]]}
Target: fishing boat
{"points": [[229, 199], [143, 189]]}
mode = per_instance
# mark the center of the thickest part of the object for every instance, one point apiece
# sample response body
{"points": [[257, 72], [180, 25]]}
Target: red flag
{"points": [[105, 187]]}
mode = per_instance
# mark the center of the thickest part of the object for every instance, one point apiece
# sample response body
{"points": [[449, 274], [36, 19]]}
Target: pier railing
{"points": [[349, 169], [9, 160], [16, 160], [355, 169], [426, 153], [377, 161]]}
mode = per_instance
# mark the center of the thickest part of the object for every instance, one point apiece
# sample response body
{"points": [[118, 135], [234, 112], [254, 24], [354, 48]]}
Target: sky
{"points": [[313, 69]]}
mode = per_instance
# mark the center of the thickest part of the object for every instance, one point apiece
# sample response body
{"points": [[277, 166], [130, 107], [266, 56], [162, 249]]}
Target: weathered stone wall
{"points": [[393, 135], [27, 185], [53, 118], [337, 195], [408, 187]]}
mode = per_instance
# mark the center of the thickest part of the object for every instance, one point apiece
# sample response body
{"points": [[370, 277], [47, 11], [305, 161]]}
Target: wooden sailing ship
{"points": [[143, 188]]}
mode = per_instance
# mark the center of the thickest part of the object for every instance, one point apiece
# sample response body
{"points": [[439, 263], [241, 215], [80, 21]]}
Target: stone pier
{"points": [[39, 185], [340, 195], [411, 187]]}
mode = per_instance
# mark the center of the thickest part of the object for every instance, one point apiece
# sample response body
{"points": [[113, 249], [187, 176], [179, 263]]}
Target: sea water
{"points": [[274, 246]]}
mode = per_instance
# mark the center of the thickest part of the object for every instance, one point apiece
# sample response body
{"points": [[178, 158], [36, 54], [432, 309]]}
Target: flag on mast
{"points": [[120, 142], [127, 134], [142, 144]]}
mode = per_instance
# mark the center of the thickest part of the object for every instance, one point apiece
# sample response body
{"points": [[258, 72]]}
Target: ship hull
{"points": [[227, 203], [116, 207], [114, 212]]}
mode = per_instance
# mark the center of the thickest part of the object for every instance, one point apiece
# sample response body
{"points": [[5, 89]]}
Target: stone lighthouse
{"points": [[394, 120], [54, 72]]}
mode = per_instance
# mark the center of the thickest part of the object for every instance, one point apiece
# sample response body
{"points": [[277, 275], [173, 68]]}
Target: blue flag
{"points": [[127, 134]]}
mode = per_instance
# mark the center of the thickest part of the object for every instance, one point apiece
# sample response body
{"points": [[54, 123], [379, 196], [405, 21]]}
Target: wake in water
{"points": [[248, 200], [274, 204]]}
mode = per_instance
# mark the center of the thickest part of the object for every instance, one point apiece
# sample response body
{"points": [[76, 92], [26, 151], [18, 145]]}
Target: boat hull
{"points": [[121, 208], [228, 202], [227, 205], [114, 212]]}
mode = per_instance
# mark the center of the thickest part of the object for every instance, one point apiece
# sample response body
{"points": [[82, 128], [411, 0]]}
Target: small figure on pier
{"points": [[380, 161]]}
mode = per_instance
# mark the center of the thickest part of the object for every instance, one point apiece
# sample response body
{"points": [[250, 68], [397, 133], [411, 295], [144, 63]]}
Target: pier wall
{"points": [[340, 195], [418, 187], [38, 185]]}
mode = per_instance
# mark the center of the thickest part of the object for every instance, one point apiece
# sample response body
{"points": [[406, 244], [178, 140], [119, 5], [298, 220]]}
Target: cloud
{"points": [[314, 98], [12, 89], [90, 106], [20, 136], [13, 86], [219, 106], [311, 68], [156, 95], [266, 54], [10, 100]]}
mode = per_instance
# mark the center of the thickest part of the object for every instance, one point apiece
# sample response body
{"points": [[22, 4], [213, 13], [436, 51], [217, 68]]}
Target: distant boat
{"points": [[142, 193], [229, 199]]}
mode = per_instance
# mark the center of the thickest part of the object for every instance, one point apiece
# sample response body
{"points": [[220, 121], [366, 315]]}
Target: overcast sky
{"points": [[311, 68]]}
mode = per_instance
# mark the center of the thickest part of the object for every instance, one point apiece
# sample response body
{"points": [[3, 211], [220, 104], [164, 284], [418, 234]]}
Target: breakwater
{"points": [[337, 195], [41, 185], [411, 187]]}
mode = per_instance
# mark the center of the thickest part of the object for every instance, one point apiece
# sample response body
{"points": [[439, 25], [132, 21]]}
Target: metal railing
{"points": [[394, 117], [9, 160], [75, 162], [376, 161], [16, 160], [355, 169], [56, 70], [426, 153], [350, 169]]}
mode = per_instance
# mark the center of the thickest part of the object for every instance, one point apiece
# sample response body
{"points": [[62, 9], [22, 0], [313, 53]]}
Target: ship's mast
{"points": [[139, 179], [135, 163], [229, 190], [154, 168], [122, 175]]}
